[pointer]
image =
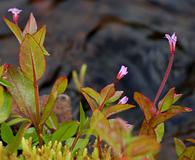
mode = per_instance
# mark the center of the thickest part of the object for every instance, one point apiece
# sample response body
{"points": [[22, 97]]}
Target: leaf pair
{"points": [[30, 28], [106, 96], [155, 117], [184, 152], [79, 78], [8, 137]]}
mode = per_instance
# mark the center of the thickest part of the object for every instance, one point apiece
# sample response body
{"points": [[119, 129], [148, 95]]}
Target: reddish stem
{"points": [[99, 143], [168, 70], [36, 90]]}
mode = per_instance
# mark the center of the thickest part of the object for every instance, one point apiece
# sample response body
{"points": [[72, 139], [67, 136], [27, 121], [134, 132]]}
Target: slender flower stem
{"points": [[171, 58]]}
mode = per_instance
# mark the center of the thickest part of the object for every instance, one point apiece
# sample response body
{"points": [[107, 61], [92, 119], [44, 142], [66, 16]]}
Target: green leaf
{"points": [[173, 111], [145, 104], [31, 25], [4, 83], [115, 97], [58, 88], [92, 93], [65, 131], [5, 109], [1, 70], [39, 36], [82, 74], [159, 130], [17, 120], [31, 133], [167, 101], [116, 109], [15, 29], [13, 146], [179, 146], [31, 58], [52, 121], [22, 90], [1, 96], [6, 133], [82, 118], [80, 145]]}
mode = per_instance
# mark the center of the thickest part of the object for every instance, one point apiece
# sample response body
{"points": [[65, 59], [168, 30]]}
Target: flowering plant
{"points": [[40, 126]]}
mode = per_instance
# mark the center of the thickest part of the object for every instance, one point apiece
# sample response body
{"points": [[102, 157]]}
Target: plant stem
{"points": [[75, 141], [39, 128], [99, 142], [171, 58], [36, 90], [39, 134]]}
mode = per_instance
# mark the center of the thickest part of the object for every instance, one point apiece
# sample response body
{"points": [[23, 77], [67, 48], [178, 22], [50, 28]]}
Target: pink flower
{"points": [[123, 71], [15, 12], [172, 42], [123, 100]]}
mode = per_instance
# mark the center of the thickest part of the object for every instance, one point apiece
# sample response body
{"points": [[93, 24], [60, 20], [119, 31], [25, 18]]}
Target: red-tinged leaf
{"points": [[179, 146], [116, 109], [145, 104], [91, 102], [115, 97], [173, 111], [92, 93], [31, 25], [58, 88], [22, 90], [31, 58], [13, 146], [116, 134], [167, 101], [177, 97], [107, 92], [188, 154], [147, 129], [142, 146], [15, 29]]}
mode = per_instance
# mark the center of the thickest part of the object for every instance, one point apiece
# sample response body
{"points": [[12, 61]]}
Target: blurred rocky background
{"points": [[105, 34]]}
